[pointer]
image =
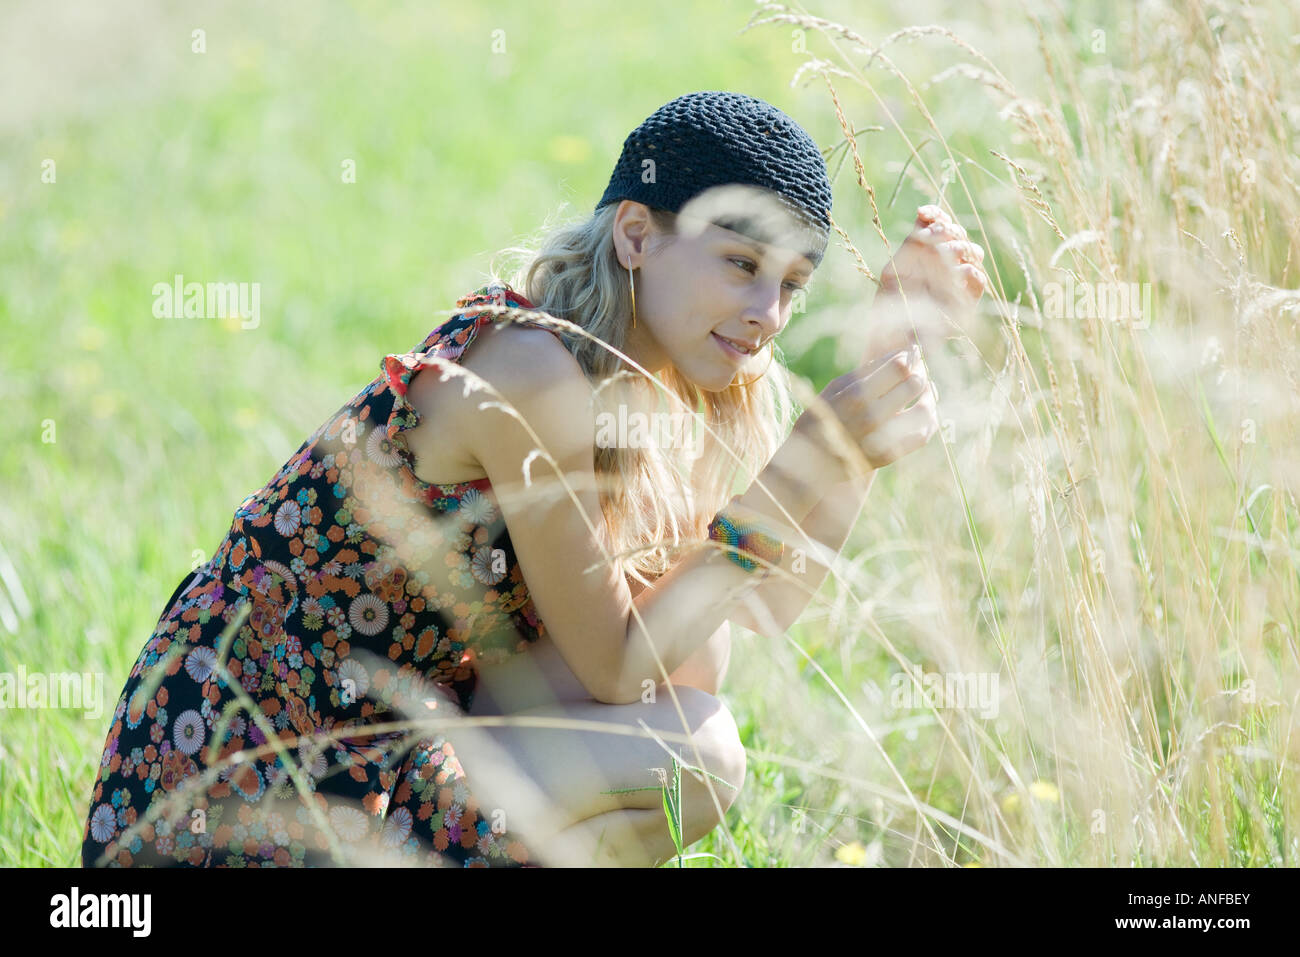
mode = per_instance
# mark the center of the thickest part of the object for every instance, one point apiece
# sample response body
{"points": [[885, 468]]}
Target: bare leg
{"points": [[553, 783], [539, 676], [631, 837]]}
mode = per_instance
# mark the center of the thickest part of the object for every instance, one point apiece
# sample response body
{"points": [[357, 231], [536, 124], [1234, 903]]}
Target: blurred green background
{"points": [[129, 440]]}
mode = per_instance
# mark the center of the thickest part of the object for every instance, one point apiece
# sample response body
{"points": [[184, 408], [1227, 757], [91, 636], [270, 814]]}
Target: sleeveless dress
{"points": [[371, 596]]}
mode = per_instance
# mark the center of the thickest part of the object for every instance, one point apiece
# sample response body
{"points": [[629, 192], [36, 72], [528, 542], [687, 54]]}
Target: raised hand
{"points": [[938, 261], [887, 404]]}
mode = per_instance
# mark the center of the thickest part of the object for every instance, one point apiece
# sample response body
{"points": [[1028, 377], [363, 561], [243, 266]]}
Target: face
{"points": [[704, 287]]}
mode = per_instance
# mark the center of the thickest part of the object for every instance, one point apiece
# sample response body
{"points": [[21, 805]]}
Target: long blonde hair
{"points": [[653, 500]]}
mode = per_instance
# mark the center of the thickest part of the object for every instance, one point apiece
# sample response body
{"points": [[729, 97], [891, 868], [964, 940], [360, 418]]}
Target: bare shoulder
{"points": [[529, 367], [537, 376], [521, 357]]}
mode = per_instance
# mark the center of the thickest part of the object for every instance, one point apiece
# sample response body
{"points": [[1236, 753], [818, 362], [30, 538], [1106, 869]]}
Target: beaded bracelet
{"points": [[745, 536]]}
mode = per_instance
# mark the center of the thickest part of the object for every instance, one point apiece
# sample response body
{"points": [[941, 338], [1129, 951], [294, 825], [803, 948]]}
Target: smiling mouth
{"points": [[736, 349]]}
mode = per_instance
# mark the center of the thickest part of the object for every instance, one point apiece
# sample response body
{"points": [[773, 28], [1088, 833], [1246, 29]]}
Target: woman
{"points": [[372, 585]]}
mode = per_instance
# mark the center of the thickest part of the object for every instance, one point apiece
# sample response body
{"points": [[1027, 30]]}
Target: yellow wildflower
{"points": [[1045, 791], [853, 854]]}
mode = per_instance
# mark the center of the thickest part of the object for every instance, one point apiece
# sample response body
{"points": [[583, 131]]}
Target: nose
{"points": [[763, 310]]}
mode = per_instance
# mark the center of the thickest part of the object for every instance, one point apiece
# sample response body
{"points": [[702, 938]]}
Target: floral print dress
{"points": [[367, 596]]}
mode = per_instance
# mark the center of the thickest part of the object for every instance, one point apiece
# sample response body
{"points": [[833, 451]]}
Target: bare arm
{"points": [[556, 527], [707, 666], [705, 590], [539, 398], [778, 602], [612, 642]]}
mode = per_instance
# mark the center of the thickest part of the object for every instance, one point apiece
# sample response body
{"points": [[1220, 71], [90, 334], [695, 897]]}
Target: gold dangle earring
{"points": [[632, 286]]}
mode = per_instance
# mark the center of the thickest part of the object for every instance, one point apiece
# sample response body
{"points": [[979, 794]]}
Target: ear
{"points": [[632, 232]]}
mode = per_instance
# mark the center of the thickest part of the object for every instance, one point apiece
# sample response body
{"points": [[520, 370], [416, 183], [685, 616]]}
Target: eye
{"points": [[742, 263]]}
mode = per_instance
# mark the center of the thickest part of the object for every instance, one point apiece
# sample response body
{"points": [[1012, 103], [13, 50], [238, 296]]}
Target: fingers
{"points": [[961, 272], [913, 384], [888, 375], [872, 379], [891, 383], [892, 409], [974, 280], [965, 259], [939, 232], [929, 213], [934, 232], [934, 216], [905, 432], [962, 250], [918, 424]]}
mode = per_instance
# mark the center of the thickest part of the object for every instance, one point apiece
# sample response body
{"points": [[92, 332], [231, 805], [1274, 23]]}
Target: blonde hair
{"points": [[653, 500]]}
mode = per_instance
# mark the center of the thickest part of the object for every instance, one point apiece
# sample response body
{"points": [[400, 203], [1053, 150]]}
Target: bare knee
{"points": [[716, 736]]}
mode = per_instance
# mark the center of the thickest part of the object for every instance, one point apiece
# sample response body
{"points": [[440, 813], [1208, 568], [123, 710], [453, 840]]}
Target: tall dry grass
{"points": [[1109, 523]]}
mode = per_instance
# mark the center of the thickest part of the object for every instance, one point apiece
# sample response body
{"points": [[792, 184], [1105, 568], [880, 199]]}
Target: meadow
{"points": [[1103, 538]]}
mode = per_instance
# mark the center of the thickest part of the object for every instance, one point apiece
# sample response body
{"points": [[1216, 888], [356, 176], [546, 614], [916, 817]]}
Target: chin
{"points": [[717, 385], [709, 377], [713, 382]]}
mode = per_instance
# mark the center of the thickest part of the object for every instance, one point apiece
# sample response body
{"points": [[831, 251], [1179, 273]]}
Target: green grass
{"points": [[1149, 696]]}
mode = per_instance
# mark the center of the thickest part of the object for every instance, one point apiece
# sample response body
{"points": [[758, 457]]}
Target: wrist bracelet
{"points": [[746, 537]]}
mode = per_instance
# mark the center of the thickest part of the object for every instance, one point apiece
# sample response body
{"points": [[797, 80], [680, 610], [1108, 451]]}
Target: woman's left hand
{"points": [[938, 261]]}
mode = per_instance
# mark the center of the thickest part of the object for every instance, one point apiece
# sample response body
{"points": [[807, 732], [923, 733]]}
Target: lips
{"points": [[742, 349]]}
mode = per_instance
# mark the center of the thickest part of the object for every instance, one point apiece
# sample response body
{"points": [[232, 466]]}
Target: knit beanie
{"points": [[736, 161]]}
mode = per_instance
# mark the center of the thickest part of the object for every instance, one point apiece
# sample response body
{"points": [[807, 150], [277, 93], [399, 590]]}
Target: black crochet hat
{"points": [[727, 144]]}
